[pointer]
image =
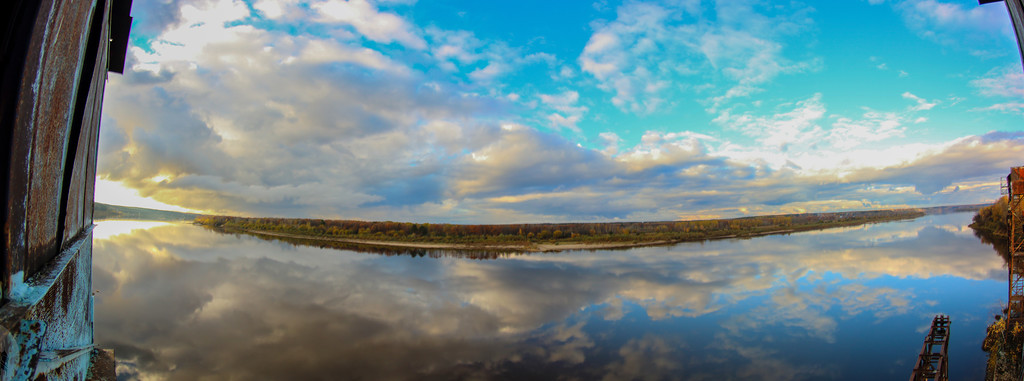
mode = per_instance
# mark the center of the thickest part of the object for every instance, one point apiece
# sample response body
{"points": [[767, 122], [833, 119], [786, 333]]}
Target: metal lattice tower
{"points": [[933, 362], [1014, 190], [1015, 217]]}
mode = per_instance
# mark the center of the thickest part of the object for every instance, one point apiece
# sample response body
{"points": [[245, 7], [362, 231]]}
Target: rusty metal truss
{"points": [[1015, 217], [932, 364]]}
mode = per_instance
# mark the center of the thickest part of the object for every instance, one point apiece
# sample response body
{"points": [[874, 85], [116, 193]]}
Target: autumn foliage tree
{"points": [[525, 234]]}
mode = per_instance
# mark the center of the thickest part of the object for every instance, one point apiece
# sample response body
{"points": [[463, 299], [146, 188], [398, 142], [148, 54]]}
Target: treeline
{"points": [[992, 219], [111, 212], [991, 225], [524, 234]]}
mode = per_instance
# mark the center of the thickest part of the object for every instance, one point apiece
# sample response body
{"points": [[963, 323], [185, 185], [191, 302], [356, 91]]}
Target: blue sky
{"points": [[469, 111]]}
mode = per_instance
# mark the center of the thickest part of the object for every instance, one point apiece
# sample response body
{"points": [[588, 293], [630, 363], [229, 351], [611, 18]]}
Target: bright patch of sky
{"points": [[479, 111]]}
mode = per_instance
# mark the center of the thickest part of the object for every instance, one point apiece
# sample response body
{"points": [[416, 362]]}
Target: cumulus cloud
{"points": [[568, 112], [486, 60], [525, 160], [369, 21], [939, 167], [221, 114], [782, 129], [263, 122]]}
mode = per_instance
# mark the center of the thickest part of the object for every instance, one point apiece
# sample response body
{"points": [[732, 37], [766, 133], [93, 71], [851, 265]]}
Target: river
{"points": [[180, 302]]}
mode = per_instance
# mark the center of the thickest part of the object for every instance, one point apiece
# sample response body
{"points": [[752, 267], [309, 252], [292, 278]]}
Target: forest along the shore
{"points": [[544, 237], [1002, 342]]}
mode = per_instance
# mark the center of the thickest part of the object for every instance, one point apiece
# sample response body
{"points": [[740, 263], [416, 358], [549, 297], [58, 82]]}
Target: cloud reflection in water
{"points": [[180, 302]]}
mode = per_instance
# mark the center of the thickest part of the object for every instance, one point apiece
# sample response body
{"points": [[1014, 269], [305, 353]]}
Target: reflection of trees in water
{"points": [[469, 253], [1000, 243], [1002, 343], [378, 249]]}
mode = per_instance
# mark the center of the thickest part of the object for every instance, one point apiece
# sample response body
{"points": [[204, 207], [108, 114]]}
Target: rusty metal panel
{"points": [[1016, 180], [46, 325], [92, 141], [46, 313], [67, 313], [53, 77], [78, 198], [49, 112], [93, 154], [1016, 173], [102, 366], [24, 59]]}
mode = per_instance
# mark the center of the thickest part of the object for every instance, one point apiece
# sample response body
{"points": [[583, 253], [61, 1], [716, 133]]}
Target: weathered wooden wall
{"points": [[54, 67]]}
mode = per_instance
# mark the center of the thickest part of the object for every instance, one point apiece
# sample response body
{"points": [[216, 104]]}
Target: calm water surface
{"points": [[180, 302]]}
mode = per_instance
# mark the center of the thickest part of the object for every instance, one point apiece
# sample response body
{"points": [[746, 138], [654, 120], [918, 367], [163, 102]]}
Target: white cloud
{"points": [[322, 51], [780, 130], [370, 22], [238, 119], [565, 102], [873, 126], [247, 120], [621, 55], [1009, 107], [1005, 82], [558, 120], [277, 9], [197, 31], [487, 61], [922, 104], [599, 43], [569, 112], [640, 55], [611, 141]]}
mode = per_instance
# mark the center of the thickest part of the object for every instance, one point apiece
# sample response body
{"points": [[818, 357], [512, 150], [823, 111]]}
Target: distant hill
{"points": [[954, 209], [111, 212]]}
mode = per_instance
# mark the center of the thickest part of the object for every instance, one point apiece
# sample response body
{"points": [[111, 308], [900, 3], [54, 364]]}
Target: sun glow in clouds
{"points": [[113, 193]]}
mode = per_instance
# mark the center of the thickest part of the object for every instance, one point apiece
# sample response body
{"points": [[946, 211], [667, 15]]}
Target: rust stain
{"points": [[54, 107], [65, 40], [102, 367]]}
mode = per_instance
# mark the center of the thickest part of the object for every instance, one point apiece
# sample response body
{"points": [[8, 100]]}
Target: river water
{"points": [[180, 302]]}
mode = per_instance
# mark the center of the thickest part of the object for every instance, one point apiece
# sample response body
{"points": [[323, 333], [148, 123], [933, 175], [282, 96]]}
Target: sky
{"points": [[555, 111]]}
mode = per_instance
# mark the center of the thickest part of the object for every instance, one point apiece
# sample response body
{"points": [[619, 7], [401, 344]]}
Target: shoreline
{"points": [[391, 236], [531, 248]]}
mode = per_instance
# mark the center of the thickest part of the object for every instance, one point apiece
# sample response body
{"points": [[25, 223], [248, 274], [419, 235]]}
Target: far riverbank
{"points": [[546, 237]]}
